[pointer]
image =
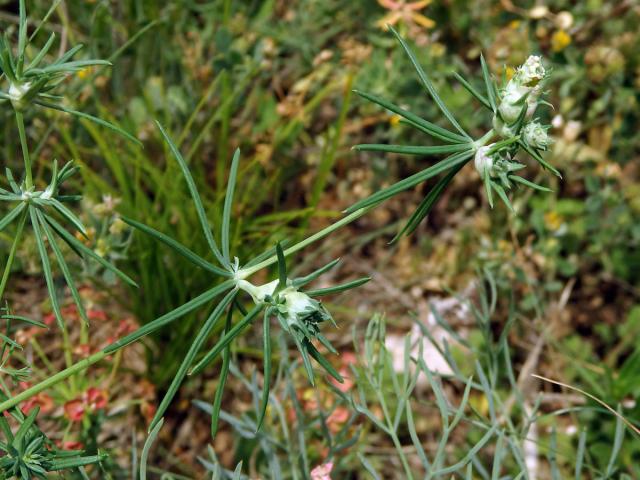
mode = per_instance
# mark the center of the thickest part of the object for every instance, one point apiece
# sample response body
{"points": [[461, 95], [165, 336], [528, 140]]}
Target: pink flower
{"points": [[322, 472]]}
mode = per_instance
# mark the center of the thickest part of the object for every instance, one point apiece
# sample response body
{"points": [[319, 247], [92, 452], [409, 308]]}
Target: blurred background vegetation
{"points": [[274, 78]]}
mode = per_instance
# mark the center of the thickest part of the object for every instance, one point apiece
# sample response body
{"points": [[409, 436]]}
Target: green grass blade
{"points": [[204, 222], [224, 372], [177, 247], [582, 444], [414, 120], [191, 354], [382, 195], [338, 288], [411, 149], [228, 203], [91, 118], [81, 249], [267, 368], [226, 339], [46, 267], [171, 316], [429, 86], [64, 268]]}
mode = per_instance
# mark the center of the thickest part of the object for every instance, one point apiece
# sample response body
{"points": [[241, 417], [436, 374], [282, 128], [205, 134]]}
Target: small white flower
{"points": [[260, 292], [530, 72], [17, 92], [483, 162]]}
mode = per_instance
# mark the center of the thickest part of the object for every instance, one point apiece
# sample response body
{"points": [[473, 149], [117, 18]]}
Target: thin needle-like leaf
{"points": [[91, 118], [302, 281], [9, 217], [228, 203], [46, 267], [64, 268], [338, 288], [224, 372], [171, 316], [481, 98], [414, 120], [227, 339], [282, 268], [378, 197], [267, 368], [202, 216], [144, 458], [491, 91], [82, 250], [191, 354], [178, 247], [429, 86], [412, 149]]}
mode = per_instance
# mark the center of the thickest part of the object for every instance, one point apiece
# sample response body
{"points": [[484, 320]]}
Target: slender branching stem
{"points": [[245, 272], [25, 150]]}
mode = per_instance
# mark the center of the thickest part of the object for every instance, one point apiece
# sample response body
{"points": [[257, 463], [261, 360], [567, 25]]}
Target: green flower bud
{"points": [[301, 312], [536, 135]]}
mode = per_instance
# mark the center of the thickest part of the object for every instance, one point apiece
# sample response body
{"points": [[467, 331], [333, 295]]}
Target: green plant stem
{"points": [[12, 254], [51, 381], [25, 150], [245, 272], [394, 435]]}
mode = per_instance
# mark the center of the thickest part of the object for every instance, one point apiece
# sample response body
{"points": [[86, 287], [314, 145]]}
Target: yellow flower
{"points": [[509, 72], [552, 220], [405, 12], [394, 120], [560, 40], [84, 73]]}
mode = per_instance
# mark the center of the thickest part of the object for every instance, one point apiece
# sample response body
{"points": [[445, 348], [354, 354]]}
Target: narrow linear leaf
{"points": [[491, 90], [481, 98], [378, 197], [302, 281], [414, 120], [169, 317], [224, 372], [338, 288], [46, 267], [228, 203], [429, 86], [9, 217], [191, 354], [226, 339], [91, 118], [267, 368], [144, 457], [412, 149], [64, 268], [177, 247], [202, 216]]}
